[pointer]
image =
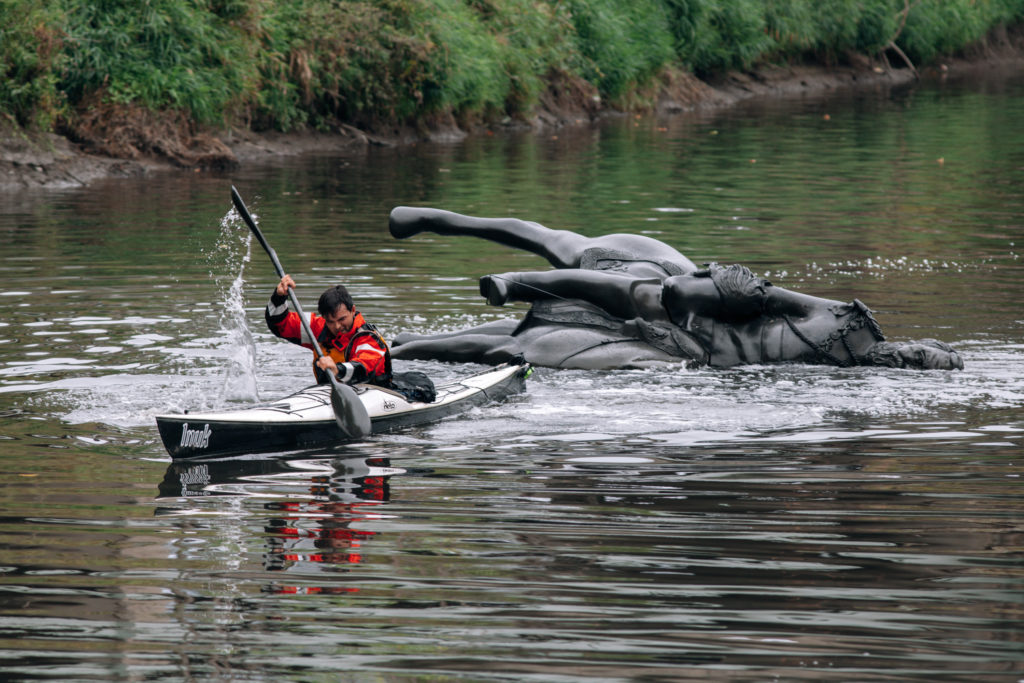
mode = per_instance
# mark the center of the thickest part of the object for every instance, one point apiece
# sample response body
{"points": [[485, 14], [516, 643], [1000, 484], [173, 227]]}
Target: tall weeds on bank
{"points": [[287, 64], [31, 61], [160, 53]]}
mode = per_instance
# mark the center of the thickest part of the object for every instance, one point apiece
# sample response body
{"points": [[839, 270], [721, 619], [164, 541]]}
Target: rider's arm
{"points": [[367, 361], [285, 323]]}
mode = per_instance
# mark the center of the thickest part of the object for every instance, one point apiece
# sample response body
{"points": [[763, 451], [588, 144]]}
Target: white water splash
{"points": [[881, 267], [239, 377]]}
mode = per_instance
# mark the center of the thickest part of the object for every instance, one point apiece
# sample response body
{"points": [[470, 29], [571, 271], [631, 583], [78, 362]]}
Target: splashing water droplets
{"points": [[239, 382]]}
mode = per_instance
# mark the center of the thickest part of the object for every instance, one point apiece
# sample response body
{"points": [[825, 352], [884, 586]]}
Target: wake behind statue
{"points": [[624, 300]]}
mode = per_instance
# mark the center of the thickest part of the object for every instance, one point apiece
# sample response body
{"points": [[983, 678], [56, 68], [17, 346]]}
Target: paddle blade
{"points": [[349, 411]]}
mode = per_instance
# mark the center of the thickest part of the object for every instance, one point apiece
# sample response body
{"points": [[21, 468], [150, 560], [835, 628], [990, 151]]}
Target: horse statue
{"points": [[627, 301]]}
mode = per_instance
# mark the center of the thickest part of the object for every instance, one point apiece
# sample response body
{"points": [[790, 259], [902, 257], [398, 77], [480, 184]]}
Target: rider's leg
{"points": [[562, 249], [613, 292]]}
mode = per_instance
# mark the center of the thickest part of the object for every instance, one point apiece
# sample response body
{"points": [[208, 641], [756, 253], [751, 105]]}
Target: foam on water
{"points": [[670, 404], [676, 405]]}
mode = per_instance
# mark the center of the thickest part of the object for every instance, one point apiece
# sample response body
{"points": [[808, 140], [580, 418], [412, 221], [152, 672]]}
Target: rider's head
{"points": [[923, 354]]}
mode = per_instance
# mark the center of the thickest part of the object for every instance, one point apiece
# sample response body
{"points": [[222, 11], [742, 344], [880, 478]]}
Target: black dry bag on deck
{"points": [[415, 386]]}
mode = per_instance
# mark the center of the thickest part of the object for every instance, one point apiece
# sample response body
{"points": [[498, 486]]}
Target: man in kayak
{"points": [[626, 301], [352, 348]]}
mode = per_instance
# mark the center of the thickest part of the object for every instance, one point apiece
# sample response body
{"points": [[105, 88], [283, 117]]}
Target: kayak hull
{"points": [[306, 419]]}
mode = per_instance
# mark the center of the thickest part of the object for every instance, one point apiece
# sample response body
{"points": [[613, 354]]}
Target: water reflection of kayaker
{"points": [[335, 540], [629, 300], [327, 529], [353, 349]]}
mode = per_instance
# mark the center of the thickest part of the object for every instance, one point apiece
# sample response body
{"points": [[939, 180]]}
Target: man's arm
{"points": [[368, 361], [285, 323]]}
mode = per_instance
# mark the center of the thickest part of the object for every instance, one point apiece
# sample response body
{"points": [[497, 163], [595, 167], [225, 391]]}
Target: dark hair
{"points": [[332, 298]]}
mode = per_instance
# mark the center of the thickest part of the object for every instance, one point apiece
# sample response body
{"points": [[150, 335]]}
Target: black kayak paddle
{"points": [[348, 409]]}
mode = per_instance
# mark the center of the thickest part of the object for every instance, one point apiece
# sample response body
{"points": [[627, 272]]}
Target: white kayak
{"points": [[306, 419]]}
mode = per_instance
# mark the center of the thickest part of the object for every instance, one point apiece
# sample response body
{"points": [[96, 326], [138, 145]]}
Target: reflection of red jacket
{"points": [[361, 353]]}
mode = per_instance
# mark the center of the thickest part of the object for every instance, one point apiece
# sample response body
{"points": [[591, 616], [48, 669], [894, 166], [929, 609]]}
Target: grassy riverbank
{"points": [[129, 78]]}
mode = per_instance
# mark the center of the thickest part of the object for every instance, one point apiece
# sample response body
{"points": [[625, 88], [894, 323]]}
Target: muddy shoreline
{"points": [[50, 161]]}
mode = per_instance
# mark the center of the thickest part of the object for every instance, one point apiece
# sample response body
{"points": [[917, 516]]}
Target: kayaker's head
{"points": [[337, 309]]}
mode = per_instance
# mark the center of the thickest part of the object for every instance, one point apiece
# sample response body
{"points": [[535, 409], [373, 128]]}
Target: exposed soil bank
{"points": [[43, 161]]}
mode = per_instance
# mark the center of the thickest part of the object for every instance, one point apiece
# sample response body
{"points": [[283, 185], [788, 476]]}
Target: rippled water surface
{"points": [[758, 523]]}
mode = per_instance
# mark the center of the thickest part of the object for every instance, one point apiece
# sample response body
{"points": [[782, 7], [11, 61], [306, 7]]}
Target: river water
{"points": [[758, 523]]}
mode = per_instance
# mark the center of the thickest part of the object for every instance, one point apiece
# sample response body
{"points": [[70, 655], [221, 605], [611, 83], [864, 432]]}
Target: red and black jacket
{"points": [[361, 353]]}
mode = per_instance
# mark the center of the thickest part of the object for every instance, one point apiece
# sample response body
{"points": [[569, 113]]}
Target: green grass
{"points": [[288, 64], [32, 57]]}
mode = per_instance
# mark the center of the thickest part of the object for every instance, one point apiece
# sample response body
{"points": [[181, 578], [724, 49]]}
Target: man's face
{"points": [[926, 357], [341, 320]]}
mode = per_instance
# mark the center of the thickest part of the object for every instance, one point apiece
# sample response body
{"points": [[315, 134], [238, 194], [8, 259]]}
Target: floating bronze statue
{"points": [[629, 301]]}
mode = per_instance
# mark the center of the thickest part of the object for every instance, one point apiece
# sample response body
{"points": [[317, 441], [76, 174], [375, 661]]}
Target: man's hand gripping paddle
{"points": [[348, 409]]}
